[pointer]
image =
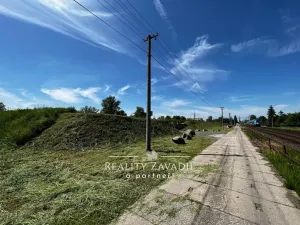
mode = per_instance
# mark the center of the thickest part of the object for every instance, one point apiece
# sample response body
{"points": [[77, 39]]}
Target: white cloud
{"points": [[154, 81], [13, 101], [176, 103], [107, 88], [190, 68], [163, 14], [267, 47], [157, 97], [68, 18], [122, 91], [75, 95], [242, 98]]}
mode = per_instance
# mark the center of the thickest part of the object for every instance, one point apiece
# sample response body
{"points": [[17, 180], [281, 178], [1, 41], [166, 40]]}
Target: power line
{"points": [[109, 25], [141, 16], [133, 16], [182, 82], [120, 19], [121, 4], [161, 41], [140, 49]]}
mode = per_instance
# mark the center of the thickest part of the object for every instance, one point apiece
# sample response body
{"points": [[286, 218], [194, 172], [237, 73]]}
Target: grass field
{"points": [[203, 125], [42, 186], [287, 169], [19, 126]]}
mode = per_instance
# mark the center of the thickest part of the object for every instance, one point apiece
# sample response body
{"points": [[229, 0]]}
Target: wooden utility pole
{"points": [[222, 108], [230, 118], [148, 117]]}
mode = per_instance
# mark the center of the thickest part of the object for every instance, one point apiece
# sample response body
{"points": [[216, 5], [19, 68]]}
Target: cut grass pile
{"points": [[81, 131], [72, 187], [19, 126], [287, 169]]}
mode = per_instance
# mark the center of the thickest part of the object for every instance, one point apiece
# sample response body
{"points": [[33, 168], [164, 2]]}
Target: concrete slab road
{"points": [[231, 183]]}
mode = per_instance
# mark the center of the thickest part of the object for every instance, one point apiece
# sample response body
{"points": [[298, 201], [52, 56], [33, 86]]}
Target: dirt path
{"points": [[231, 183]]}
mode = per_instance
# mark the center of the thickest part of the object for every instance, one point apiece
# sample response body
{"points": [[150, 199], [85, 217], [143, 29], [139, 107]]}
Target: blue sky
{"points": [[243, 55]]}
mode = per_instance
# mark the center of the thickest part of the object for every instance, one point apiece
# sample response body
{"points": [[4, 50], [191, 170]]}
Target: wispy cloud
{"points": [[107, 88], [242, 98], [76, 95], [68, 18], [26, 100], [190, 66], [268, 47], [122, 91], [176, 103], [157, 97], [164, 15]]}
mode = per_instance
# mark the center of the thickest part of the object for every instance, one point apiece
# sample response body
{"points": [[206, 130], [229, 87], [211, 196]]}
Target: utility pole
{"points": [[222, 108], [230, 118], [194, 116], [148, 117]]}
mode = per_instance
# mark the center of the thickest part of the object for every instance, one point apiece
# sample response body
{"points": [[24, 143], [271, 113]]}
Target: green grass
{"points": [[287, 169], [20, 126], [81, 131], [72, 187], [290, 128], [203, 125]]}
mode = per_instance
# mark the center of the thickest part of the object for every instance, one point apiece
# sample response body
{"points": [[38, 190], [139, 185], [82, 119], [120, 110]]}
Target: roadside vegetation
{"points": [[287, 169], [52, 168], [280, 119], [20, 126], [42, 186]]}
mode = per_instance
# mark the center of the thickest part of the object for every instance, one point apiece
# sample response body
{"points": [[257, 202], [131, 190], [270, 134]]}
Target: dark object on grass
{"points": [[178, 140], [190, 132], [184, 135], [219, 130], [204, 130], [189, 137]]}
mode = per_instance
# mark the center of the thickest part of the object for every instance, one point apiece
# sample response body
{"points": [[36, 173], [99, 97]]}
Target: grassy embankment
{"points": [[210, 126], [62, 179], [287, 169]]}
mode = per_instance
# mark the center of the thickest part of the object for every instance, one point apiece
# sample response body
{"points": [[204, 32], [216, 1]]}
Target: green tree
{"points": [[161, 118], [168, 117], [209, 119], [121, 113], [182, 119], [271, 115], [2, 106], [252, 117], [235, 119], [89, 109], [262, 120], [140, 112], [110, 105]]}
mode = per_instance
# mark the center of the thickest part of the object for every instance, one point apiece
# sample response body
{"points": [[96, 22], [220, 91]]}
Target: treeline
{"points": [[111, 105], [279, 119]]}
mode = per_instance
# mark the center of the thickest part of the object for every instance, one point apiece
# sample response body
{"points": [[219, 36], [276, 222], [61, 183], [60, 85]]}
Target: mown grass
{"points": [[85, 130], [285, 167], [203, 125], [42, 186], [19, 126]]}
